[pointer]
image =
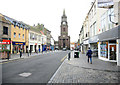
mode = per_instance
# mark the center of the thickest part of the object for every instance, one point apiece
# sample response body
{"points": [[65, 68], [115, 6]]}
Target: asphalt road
{"points": [[41, 68]]}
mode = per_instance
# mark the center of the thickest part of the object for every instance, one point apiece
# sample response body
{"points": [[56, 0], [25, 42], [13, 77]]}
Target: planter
{"points": [[3, 55]]}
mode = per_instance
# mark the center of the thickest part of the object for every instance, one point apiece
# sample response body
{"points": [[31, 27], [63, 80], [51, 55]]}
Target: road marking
{"points": [[11, 60], [63, 58], [50, 81], [25, 74]]}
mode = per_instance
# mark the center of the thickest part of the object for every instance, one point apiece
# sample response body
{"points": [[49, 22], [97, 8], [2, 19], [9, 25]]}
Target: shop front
{"points": [[16, 46], [4, 48], [108, 50], [107, 45]]}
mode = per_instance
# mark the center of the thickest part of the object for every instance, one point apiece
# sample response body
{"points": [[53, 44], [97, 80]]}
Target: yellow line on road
{"points": [[63, 58], [11, 60]]}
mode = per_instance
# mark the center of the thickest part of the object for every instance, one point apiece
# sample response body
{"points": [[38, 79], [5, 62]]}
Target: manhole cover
{"points": [[25, 74]]}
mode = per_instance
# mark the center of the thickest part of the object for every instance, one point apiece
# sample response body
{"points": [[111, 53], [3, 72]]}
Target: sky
{"points": [[48, 12]]}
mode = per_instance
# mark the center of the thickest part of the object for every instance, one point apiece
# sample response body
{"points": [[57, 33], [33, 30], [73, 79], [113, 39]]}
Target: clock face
{"points": [[64, 23]]}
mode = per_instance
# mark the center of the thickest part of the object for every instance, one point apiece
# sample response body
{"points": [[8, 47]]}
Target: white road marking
{"points": [[25, 74]]}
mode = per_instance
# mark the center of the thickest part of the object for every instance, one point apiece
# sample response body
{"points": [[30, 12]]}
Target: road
{"points": [[37, 69]]}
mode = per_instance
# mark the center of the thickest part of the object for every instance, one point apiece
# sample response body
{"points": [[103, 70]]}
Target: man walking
{"points": [[89, 54]]}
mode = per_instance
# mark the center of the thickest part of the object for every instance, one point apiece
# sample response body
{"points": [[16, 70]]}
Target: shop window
{"points": [[19, 35], [23, 36], [5, 30], [104, 49]]}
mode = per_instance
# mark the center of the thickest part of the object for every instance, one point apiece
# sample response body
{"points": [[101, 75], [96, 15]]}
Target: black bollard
{"points": [[8, 56], [69, 56]]}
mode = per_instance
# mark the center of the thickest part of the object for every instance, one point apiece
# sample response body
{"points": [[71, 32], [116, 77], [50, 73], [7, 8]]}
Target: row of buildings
{"points": [[101, 30], [16, 35]]}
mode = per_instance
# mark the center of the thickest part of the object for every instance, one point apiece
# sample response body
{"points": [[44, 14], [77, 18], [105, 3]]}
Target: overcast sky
{"points": [[48, 12]]}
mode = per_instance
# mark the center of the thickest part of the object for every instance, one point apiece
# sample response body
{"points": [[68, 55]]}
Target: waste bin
{"points": [[76, 54]]}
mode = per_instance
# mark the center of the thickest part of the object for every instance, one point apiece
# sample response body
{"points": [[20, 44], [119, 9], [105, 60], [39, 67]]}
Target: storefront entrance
{"points": [[112, 51]]}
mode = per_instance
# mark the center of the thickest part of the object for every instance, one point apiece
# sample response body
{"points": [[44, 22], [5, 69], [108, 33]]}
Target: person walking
{"points": [[20, 53], [89, 54]]}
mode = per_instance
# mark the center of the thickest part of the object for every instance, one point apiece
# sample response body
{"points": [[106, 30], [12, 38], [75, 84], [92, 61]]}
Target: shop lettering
{"points": [[19, 43]]}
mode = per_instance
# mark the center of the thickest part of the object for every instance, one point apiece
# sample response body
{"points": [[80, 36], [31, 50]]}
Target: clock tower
{"points": [[64, 39]]}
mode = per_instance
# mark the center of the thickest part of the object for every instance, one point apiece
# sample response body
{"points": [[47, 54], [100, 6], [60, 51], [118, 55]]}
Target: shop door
{"points": [[35, 48], [112, 52]]}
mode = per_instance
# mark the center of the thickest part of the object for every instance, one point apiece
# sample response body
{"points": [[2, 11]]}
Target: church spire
{"points": [[64, 12]]}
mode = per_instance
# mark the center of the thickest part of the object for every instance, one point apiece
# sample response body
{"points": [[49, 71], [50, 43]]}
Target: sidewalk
{"points": [[24, 55], [78, 70]]}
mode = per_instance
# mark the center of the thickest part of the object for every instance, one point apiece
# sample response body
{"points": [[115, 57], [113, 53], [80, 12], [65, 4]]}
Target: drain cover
{"points": [[25, 74]]}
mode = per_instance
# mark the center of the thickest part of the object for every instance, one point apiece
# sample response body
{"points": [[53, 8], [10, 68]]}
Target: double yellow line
{"points": [[10, 61], [63, 58]]}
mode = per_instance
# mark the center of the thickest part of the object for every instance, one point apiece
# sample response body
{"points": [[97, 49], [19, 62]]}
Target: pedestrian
{"points": [[30, 52], [69, 56], [20, 53], [89, 54]]}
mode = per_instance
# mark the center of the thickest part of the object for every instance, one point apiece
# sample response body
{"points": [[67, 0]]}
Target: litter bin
{"points": [[76, 54]]}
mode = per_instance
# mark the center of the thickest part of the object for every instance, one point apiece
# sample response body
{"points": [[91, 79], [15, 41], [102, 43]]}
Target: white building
{"points": [[101, 31], [35, 42]]}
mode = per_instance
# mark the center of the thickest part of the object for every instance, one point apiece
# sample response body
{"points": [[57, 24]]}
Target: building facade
{"points": [[64, 39], [101, 31], [17, 35], [5, 36]]}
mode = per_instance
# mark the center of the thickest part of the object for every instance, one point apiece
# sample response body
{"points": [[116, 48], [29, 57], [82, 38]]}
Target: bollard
{"points": [[28, 54], [69, 55], [8, 55]]}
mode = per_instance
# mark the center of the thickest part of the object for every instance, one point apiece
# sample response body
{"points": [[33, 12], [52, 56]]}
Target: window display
{"points": [[104, 49]]}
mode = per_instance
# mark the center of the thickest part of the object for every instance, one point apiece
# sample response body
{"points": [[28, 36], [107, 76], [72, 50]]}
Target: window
{"points": [[104, 22], [94, 28], [19, 35], [23, 36], [63, 29], [91, 31], [5, 30], [110, 24], [39, 38], [14, 34], [35, 37]]}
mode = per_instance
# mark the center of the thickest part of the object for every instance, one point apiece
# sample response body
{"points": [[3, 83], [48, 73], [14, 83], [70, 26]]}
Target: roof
{"points": [[15, 22]]}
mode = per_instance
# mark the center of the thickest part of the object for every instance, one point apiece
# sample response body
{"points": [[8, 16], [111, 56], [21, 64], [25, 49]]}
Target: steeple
{"points": [[64, 12]]}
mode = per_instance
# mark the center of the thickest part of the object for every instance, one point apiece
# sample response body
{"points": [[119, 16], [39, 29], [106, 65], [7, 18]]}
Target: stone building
{"points": [[64, 39]]}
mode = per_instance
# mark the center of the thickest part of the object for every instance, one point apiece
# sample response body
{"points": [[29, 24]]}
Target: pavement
{"points": [[24, 55], [78, 70]]}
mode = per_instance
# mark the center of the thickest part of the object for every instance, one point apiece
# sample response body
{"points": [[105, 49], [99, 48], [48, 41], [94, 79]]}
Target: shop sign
{"points": [[18, 43], [105, 3], [5, 42], [86, 42]]}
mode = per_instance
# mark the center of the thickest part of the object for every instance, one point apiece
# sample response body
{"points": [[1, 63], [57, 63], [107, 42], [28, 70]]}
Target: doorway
{"points": [[112, 51]]}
